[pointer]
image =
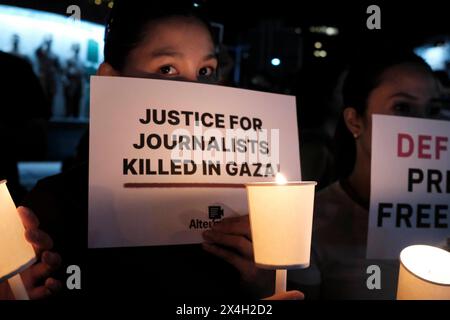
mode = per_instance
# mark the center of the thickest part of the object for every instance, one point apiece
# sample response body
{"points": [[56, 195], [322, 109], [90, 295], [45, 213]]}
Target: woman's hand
{"points": [[231, 240], [47, 263], [36, 278]]}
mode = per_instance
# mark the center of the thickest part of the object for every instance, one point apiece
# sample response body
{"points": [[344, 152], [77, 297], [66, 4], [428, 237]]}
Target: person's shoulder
{"points": [[51, 194], [71, 180], [5, 56], [13, 61]]}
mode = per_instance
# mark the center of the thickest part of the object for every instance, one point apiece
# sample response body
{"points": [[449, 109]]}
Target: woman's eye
{"points": [[402, 108], [168, 70], [206, 71]]}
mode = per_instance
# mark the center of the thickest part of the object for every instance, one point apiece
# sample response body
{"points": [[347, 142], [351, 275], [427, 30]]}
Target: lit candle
{"points": [[281, 215], [424, 274], [16, 253]]}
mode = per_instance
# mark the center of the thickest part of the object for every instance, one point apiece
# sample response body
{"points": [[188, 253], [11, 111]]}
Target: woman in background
{"points": [[390, 83], [165, 40]]}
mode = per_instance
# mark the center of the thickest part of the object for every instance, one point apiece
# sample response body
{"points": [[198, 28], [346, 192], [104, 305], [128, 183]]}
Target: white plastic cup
{"points": [[281, 218]]}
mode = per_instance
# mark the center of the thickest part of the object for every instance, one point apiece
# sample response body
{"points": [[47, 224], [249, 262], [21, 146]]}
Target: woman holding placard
{"points": [[162, 40], [391, 83]]}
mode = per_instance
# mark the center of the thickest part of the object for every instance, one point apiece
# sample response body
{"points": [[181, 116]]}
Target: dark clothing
{"points": [[338, 269], [23, 115], [22, 95], [183, 272]]}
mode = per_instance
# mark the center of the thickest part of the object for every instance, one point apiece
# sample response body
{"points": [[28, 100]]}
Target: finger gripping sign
{"points": [[410, 185], [169, 159]]}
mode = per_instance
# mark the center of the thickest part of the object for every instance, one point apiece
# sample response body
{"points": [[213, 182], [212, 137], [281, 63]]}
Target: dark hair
{"points": [[364, 75], [127, 20]]}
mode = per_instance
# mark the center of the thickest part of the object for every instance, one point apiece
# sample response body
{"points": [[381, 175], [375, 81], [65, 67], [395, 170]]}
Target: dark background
{"points": [[267, 29]]}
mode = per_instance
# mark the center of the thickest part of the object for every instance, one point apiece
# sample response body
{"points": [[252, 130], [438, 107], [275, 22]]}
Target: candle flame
{"points": [[280, 179]]}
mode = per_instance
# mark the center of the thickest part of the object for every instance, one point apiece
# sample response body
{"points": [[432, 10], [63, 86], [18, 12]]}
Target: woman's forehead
{"points": [[409, 77], [175, 36], [406, 70], [174, 25]]}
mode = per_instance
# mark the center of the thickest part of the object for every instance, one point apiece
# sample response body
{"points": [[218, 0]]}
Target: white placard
{"points": [[141, 193], [410, 185]]}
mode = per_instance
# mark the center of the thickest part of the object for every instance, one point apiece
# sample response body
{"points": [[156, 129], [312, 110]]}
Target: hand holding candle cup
{"points": [[281, 225], [20, 240], [16, 254]]}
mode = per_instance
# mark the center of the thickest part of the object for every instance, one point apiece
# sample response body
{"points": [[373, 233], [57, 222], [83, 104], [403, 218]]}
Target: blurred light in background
{"points": [[437, 56], [320, 53], [31, 27], [329, 31], [275, 62]]}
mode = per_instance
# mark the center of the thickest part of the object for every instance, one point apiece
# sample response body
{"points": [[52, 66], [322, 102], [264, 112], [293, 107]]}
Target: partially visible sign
{"points": [[410, 185], [168, 159]]}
